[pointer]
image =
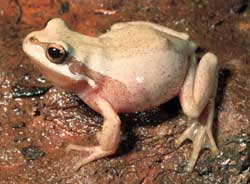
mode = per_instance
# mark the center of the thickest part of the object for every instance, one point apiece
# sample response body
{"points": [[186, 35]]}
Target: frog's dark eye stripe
{"points": [[56, 53]]}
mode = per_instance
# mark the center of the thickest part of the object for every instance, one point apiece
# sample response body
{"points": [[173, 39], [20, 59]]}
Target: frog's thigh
{"points": [[199, 85]]}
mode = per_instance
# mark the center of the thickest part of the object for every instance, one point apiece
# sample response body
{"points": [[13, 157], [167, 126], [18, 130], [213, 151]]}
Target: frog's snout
{"points": [[29, 40], [32, 40]]}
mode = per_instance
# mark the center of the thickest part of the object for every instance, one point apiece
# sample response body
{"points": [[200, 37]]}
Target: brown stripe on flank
{"points": [[61, 80]]}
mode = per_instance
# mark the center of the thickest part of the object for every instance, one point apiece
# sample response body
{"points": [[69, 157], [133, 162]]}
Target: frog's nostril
{"points": [[32, 39]]}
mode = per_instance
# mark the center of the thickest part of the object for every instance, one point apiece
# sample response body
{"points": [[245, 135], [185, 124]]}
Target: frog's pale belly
{"points": [[140, 85]]}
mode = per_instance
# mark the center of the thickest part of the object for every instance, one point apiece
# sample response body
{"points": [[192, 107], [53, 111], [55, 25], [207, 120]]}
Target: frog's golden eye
{"points": [[56, 53]]}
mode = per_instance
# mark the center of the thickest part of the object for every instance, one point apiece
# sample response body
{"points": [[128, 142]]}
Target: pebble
{"points": [[240, 7]]}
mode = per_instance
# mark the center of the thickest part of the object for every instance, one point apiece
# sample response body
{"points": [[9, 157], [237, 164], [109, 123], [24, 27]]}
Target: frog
{"points": [[132, 67]]}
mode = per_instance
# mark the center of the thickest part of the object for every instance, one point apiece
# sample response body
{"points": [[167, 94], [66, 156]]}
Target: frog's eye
{"points": [[56, 53]]}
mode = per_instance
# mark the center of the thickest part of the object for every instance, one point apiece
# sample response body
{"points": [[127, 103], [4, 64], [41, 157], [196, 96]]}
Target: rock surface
{"points": [[35, 128]]}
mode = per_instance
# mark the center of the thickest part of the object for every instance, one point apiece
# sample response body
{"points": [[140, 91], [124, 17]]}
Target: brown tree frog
{"points": [[132, 67]]}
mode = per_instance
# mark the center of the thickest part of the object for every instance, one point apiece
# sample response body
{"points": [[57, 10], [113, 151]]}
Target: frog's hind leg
{"points": [[198, 101]]}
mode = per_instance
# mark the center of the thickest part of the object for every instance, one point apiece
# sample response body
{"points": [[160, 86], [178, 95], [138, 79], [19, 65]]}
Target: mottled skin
{"points": [[132, 67]]}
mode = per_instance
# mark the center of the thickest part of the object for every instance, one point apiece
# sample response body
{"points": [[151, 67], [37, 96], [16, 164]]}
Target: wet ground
{"points": [[38, 120]]}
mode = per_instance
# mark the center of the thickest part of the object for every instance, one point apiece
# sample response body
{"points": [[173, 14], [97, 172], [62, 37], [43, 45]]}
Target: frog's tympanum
{"points": [[132, 67]]}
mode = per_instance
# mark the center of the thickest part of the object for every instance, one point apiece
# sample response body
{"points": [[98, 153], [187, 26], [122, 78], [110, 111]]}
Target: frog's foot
{"points": [[95, 152], [202, 137]]}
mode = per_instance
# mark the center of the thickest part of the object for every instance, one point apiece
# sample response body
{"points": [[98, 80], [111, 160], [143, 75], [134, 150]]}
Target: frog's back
{"points": [[151, 64], [135, 40]]}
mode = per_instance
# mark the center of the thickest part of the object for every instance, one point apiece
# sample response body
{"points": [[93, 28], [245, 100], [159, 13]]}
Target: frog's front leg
{"points": [[198, 100], [108, 138]]}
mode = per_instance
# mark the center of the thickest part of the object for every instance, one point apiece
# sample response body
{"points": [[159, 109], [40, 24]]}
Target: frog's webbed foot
{"points": [[95, 152], [202, 137]]}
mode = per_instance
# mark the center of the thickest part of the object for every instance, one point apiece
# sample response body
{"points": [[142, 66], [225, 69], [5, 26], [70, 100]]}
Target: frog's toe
{"points": [[77, 148], [95, 152], [202, 138]]}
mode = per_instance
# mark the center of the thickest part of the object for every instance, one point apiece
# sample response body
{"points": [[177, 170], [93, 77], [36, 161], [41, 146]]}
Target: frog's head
{"points": [[48, 45], [51, 50]]}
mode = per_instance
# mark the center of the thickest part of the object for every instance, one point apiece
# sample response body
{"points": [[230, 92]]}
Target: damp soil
{"points": [[38, 120]]}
